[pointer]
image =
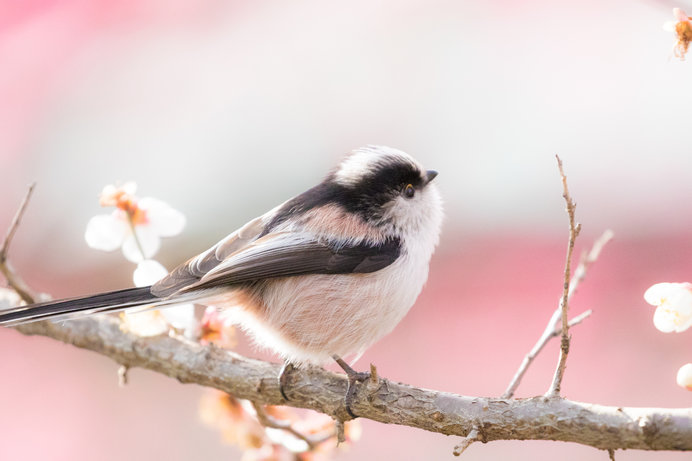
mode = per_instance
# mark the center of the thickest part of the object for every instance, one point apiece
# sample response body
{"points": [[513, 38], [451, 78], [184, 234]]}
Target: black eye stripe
{"points": [[380, 183]]}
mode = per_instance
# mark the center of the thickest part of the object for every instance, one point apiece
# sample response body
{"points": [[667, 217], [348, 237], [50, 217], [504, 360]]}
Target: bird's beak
{"points": [[429, 176]]}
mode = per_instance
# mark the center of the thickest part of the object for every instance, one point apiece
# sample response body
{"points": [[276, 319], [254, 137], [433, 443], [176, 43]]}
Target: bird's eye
{"points": [[409, 191]]}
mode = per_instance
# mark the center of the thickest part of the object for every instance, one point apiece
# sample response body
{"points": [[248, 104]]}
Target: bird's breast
{"points": [[309, 318]]}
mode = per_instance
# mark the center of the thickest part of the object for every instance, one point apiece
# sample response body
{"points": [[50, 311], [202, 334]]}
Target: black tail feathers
{"points": [[74, 307]]}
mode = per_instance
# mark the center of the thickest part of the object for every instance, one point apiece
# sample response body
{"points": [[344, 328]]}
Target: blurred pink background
{"points": [[225, 109]]}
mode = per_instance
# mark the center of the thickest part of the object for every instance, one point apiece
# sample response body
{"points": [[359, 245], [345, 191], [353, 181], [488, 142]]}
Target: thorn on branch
{"points": [[611, 454], [374, 378], [472, 436]]}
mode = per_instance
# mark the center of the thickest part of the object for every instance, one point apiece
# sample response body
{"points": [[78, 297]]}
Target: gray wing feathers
{"points": [[242, 257], [194, 269], [275, 255], [239, 239], [285, 254]]}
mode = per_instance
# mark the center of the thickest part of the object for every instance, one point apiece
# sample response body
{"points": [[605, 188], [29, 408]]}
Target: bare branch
{"points": [[267, 420], [538, 418], [553, 328], [551, 331], [574, 229], [466, 442], [474, 418], [14, 281], [587, 259], [577, 320]]}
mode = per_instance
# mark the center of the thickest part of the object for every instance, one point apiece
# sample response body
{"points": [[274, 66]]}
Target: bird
{"points": [[321, 276]]}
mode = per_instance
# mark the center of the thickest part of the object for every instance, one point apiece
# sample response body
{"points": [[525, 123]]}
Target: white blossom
{"points": [[136, 225], [155, 322], [673, 303], [9, 299], [684, 377]]}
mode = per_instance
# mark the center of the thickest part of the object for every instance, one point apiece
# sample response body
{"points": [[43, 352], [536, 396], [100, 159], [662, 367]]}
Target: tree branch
{"points": [[538, 418], [267, 420], [574, 229], [473, 418], [553, 327], [16, 282]]}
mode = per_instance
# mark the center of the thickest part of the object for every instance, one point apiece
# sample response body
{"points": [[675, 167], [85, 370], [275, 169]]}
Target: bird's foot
{"points": [[286, 370], [353, 378]]}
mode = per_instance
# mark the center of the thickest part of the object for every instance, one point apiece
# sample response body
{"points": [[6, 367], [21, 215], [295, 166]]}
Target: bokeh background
{"points": [[226, 108]]}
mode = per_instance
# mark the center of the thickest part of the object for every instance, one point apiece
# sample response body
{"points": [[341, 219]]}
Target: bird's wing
{"points": [[195, 268], [288, 254]]}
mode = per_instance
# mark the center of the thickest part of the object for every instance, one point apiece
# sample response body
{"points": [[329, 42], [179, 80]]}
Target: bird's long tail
{"points": [[75, 307]]}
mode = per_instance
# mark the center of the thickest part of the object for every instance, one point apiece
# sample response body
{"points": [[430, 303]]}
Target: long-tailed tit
{"points": [[323, 275]]}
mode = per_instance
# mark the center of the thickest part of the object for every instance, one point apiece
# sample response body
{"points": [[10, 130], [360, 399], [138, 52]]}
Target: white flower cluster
{"points": [[136, 226], [673, 303]]}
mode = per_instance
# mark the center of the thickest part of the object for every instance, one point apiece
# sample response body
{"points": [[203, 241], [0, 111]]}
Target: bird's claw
{"points": [[286, 370], [353, 378]]}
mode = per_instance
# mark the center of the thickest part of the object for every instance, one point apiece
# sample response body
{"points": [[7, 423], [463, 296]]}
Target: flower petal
{"points": [[161, 217], [669, 26], [684, 378], [110, 195], [105, 232], [680, 15], [655, 294], [660, 292], [181, 317], [9, 298], [664, 321], [148, 272], [288, 440], [145, 323], [148, 240]]}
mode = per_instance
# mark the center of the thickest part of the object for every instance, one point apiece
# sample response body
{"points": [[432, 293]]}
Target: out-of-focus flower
{"points": [[156, 322], [684, 378], [136, 225], [682, 27], [238, 423], [9, 298], [674, 306], [269, 453], [217, 328], [146, 323]]}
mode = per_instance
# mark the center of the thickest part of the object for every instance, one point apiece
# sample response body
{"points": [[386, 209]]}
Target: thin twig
{"points": [[473, 436], [578, 319], [587, 259], [553, 328], [269, 421], [13, 280], [123, 375], [340, 430], [574, 229], [611, 454]]}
